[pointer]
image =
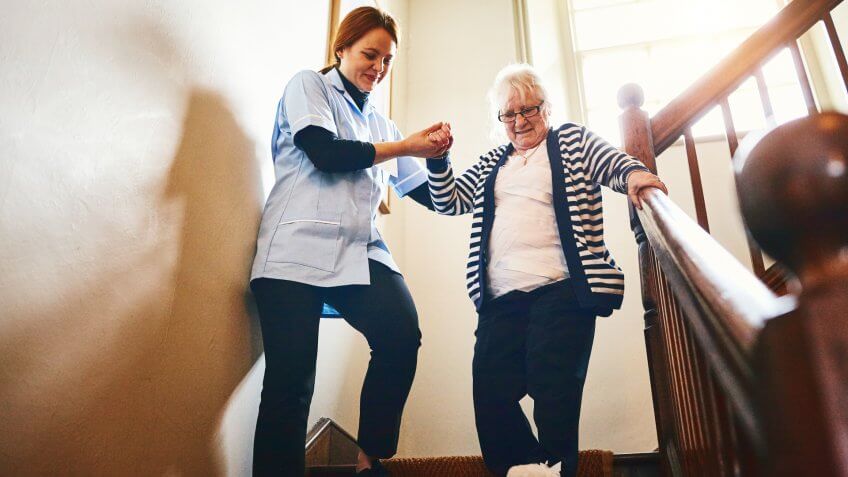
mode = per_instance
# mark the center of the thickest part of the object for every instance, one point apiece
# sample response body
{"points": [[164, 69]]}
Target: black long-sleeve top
{"points": [[329, 153]]}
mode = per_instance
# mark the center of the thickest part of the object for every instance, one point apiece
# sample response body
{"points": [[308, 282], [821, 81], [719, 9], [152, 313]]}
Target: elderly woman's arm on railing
{"points": [[641, 179], [620, 172]]}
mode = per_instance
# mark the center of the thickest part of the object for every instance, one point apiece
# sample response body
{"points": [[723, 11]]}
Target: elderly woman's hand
{"points": [[425, 144], [442, 137], [638, 180]]}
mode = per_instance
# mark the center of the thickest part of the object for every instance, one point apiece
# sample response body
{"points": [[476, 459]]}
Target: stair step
{"points": [[330, 470], [593, 463], [645, 464]]}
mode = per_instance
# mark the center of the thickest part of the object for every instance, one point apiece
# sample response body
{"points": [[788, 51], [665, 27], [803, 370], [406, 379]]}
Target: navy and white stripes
{"points": [[581, 162]]}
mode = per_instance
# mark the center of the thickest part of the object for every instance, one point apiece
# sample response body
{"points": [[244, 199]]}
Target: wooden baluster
{"points": [[687, 391], [765, 99], [690, 390], [686, 374], [731, 436], [683, 377], [801, 357], [677, 453], [733, 143], [636, 132], [680, 440], [713, 426], [791, 22], [748, 459], [837, 48], [655, 343], [695, 178], [729, 128], [803, 79], [722, 429], [666, 319], [676, 374], [701, 412]]}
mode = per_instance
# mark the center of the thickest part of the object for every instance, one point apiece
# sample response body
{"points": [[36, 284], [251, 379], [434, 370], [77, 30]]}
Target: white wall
{"points": [[826, 77], [451, 56], [134, 139]]}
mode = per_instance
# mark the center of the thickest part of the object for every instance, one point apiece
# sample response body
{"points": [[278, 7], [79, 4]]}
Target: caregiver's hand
{"points": [[420, 144], [444, 138]]}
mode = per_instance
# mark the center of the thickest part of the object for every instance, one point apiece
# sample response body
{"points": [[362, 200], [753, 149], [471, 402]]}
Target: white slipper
{"points": [[534, 470]]}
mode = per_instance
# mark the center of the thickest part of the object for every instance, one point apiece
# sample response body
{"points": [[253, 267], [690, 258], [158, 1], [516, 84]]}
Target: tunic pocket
{"points": [[309, 242]]}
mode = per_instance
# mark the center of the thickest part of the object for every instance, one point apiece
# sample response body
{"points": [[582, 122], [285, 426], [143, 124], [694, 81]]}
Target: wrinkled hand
{"points": [[442, 137], [638, 180], [425, 144]]}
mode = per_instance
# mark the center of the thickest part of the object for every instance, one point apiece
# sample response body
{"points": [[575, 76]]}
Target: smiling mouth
{"points": [[523, 132]]}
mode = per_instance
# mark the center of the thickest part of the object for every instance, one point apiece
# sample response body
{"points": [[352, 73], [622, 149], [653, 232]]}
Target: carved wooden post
{"points": [[636, 135], [793, 191]]}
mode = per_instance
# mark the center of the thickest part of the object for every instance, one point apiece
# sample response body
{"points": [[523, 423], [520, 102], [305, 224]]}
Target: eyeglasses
{"points": [[510, 116]]}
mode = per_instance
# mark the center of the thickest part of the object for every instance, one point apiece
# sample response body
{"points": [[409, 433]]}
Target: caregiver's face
{"points": [[525, 121], [368, 61]]}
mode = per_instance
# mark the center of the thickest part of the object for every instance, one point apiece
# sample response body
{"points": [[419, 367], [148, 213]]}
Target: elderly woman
{"points": [[538, 271]]}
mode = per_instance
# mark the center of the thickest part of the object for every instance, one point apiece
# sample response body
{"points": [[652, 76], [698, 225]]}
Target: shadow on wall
{"points": [[213, 338], [141, 392]]}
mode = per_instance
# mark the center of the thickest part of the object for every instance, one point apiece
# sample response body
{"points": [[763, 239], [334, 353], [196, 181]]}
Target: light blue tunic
{"points": [[319, 227]]}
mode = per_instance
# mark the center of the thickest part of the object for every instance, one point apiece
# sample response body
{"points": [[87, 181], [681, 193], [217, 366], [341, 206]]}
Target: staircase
{"points": [[748, 368], [747, 382], [331, 451]]}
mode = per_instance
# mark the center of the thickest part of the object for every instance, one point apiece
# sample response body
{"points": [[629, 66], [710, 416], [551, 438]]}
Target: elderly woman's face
{"points": [[527, 130]]}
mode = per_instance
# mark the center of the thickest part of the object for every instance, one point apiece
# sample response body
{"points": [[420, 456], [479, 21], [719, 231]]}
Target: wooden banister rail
{"points": [[724, 296], [725, 305], [795, 19], [649, 137], [726, 288], [793, 192], [747, 383]]}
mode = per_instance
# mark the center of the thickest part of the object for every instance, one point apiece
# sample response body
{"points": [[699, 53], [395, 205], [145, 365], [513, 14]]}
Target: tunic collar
{"points": [[336, 81]]}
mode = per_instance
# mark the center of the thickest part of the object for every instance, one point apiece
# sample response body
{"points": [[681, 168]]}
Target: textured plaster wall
{"points": [[134, 141]]}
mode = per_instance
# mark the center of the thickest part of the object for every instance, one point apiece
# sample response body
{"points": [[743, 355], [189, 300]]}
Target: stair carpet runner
{"points": [[592, 463]]}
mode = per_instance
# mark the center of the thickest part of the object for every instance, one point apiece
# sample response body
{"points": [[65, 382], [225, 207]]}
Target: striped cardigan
{"points": [[580, 163]]}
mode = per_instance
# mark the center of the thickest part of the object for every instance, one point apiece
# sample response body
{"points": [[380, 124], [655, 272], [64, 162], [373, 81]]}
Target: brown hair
{"points": [[356, 24]]}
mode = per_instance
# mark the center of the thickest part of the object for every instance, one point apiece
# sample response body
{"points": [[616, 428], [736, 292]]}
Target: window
{"points": [[662, 45]]}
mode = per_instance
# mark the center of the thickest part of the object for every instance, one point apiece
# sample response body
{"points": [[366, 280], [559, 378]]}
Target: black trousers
{"points": [[535, 343], [289, 314]]}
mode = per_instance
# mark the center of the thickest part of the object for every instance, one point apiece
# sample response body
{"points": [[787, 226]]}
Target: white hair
{"points": [[521, 79]]}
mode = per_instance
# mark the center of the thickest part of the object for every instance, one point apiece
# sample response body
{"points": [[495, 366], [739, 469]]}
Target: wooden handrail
{"points": [[726, 305], [746, 383], [787, 26], [727, 287], [800, 357]]}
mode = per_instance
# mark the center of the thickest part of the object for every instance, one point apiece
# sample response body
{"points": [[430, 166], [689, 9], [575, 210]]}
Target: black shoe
{"points": [[376, 470]]}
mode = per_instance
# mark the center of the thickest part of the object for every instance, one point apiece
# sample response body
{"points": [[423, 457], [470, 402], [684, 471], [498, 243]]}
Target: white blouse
{"points": [[525, 249]]}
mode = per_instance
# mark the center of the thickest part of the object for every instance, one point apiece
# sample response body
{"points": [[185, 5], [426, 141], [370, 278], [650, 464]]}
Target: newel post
{"points": [[637, 141], [793, 193]]}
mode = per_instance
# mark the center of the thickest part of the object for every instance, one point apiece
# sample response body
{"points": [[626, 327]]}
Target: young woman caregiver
{"points": [[318, 244]]}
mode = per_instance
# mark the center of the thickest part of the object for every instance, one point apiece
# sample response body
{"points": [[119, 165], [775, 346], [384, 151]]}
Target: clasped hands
{"points": [[432, 142]]}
